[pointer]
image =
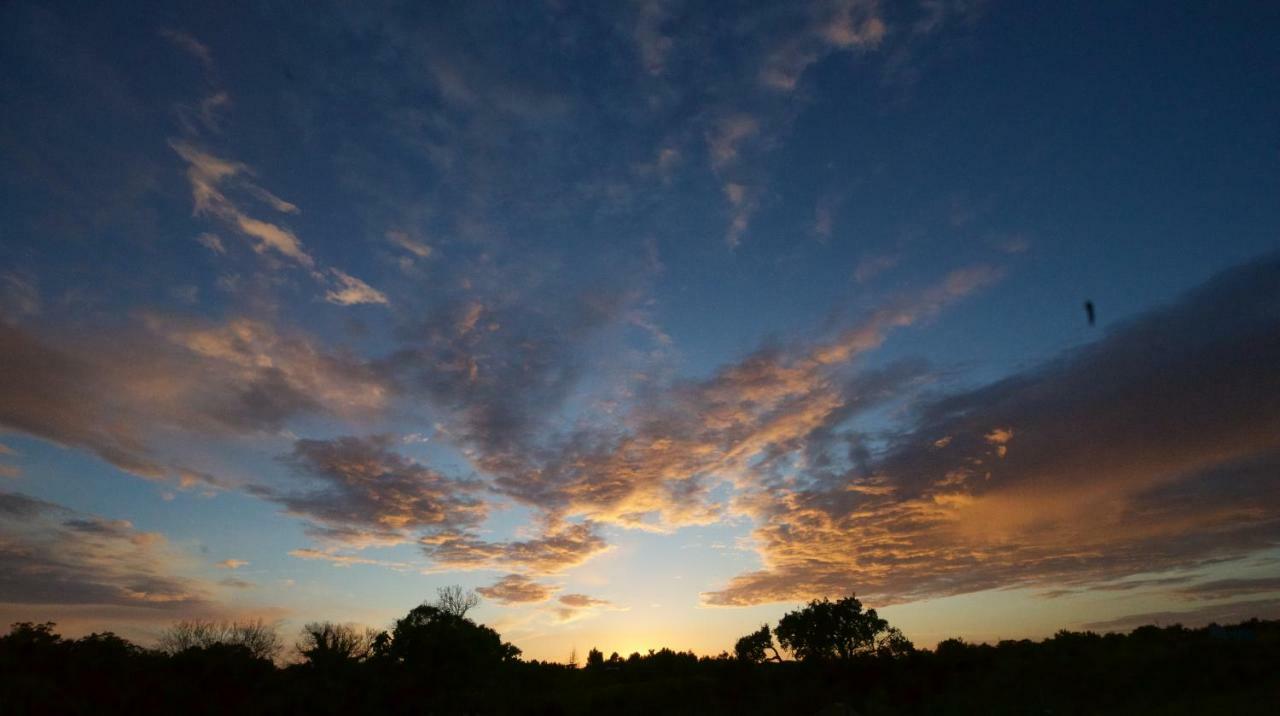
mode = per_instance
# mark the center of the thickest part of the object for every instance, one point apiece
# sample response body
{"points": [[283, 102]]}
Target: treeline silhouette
{"points": [[434, 660]]}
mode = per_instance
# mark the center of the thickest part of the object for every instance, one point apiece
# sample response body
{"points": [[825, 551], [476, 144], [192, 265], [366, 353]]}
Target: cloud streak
{"points": [[117, 391]]}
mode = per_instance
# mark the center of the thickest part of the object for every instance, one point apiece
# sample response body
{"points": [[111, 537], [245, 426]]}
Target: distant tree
{"points": [[326, 644], [258, 638], [29, 635], [455, 600], [838, 630], [595, 659], [755, 646], [105, 647]]}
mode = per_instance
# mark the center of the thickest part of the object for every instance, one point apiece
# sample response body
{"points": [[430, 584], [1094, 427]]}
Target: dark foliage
{"points": [[434, 662]]}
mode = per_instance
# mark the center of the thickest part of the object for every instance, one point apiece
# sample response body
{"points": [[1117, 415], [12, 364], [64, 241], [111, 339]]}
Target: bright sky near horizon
{"points": [[647, 320]]}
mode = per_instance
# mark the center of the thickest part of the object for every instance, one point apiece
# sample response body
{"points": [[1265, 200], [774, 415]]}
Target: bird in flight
{"points": [[1088, 311]]}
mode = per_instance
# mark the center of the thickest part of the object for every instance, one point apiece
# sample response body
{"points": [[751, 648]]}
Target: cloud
{"points": [[872, 266], [404, 241], [502, 367], [560, 547], [208, 174], [115, 390], [579, 606], [581, 601], [347, 560], [1231, 588], [725, 139], [1149, 450], [652, 43], [516, 589], [363, 492], [190, 45], [352, 291], [656, 471], [232, 563], [832, 27], [51, 556]]}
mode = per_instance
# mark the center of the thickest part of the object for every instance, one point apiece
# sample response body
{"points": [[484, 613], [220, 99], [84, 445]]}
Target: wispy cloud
{"points": [[352, 291], [207, 175], [190, 45], [573, 607]]}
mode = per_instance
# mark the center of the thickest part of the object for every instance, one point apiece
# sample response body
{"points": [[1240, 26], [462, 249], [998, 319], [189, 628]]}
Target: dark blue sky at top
{"points": [[1133, 149]]}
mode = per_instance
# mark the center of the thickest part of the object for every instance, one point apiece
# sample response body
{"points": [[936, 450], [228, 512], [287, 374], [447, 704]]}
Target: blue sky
{"points": [[649, 320]]}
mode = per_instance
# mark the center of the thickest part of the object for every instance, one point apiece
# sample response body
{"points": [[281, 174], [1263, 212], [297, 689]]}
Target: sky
{"points": [[649, 321]]}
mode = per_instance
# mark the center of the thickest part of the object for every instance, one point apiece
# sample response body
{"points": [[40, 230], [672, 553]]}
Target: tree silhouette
{"points": [[755, 646], [838, 630], [434, 662], [430, 639]]}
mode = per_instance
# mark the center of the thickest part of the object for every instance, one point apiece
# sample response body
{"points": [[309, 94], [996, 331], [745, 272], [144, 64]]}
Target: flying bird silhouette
{"points": [[1088, 311]]}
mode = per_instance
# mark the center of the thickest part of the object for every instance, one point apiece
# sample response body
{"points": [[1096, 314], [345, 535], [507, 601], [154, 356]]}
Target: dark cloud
{"points": [[1154, 448], [560, 547], [1229, 588], [45, 393], [363, 491], [111, 391], [51, 556], [17, 506], [502, 365], [1124, 586]]}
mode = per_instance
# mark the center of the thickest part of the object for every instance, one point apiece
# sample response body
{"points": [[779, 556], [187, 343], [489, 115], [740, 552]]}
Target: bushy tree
{"points": [[838, 630], [431, 639], [755, 647]]}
